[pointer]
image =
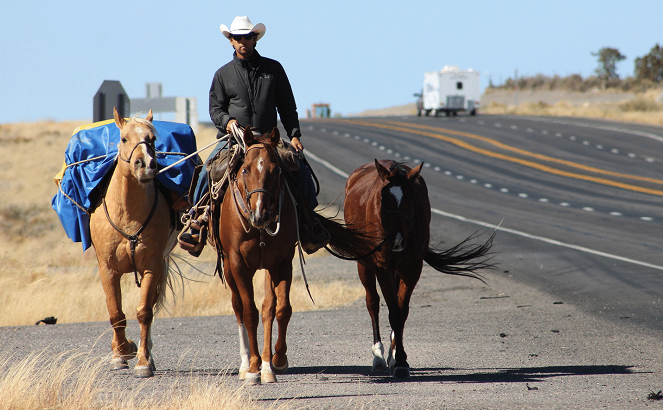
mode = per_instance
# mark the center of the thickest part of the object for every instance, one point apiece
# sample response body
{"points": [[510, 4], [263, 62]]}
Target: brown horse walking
{"points": [[389, 201], [131, 232], [257, 229]]}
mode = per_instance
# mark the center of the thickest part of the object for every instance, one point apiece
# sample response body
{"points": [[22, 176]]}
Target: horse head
{"points": [[136, 147], [398, 198], [260, 176]]}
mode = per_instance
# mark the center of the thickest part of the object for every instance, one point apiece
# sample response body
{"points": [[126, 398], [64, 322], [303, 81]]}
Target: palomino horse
{"points": [[131, 231], [390, 201], [257, 229]]}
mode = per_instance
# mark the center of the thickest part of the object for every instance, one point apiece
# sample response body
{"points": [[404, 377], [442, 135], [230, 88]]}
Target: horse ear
{"points": [[248, 136], [413, 174], [275, 136], [149, 116], [119, 120], [382, 171]]}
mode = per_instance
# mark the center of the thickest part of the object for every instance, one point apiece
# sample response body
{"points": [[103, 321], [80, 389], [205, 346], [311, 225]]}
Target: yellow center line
{"points": [[408, 128], [535, 155]]}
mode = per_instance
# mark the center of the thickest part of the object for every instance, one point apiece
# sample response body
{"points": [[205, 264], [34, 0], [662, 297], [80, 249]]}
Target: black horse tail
{"points": [[346, 242], [463, 259]]}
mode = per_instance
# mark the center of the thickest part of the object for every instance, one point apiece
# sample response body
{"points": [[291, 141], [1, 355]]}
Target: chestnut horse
{"points": [[390, 202], [131, 232], [257, 229]]}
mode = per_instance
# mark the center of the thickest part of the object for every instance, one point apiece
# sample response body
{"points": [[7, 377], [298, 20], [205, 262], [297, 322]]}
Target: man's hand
{"points": [[229, 126], [296, 144]]}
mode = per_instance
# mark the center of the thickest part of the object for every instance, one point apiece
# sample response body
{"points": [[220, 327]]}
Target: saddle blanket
{"points": [[91, 154]]}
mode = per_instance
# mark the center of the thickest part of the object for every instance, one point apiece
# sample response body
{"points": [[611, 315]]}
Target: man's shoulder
{"points": [[269, 62]]}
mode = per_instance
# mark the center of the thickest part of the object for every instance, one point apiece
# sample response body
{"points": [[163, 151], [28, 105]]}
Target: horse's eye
{"points": [[124, 140], [245, 171]]}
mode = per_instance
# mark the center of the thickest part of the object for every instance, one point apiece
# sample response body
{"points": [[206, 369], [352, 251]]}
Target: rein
{"points": [[133, 239]]}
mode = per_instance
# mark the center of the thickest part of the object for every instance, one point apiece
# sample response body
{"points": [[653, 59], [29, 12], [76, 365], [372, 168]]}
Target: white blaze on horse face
{"points": [[261, 163], [397, 193]]}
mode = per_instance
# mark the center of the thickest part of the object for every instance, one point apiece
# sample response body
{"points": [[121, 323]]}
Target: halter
{"points": [[149, 145]]}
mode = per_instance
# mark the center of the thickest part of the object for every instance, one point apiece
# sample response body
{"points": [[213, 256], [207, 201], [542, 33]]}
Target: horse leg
{"points": [[243, 333], [399, 366], [367, 277], [268, 315], [123, 348], [283, 314], [396, 320], [145, 314], [247, 316]]}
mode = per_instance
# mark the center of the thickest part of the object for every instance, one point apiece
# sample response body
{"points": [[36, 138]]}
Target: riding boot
{"points": [[194, 241], [312, 234]]}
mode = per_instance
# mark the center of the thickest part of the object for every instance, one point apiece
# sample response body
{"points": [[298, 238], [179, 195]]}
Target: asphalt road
{"points": [[580, 201], [568, 324]]}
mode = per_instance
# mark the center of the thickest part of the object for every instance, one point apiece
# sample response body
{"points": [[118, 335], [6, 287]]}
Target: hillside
{"points": [[642, 107]]}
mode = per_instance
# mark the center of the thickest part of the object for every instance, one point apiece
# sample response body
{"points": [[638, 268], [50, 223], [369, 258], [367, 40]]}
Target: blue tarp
{"points": [[174, 142]]}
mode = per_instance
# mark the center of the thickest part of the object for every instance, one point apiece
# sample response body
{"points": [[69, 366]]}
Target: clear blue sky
{"points": [[355, 55]]}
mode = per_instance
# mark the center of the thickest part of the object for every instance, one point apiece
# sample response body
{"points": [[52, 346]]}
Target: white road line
{"points": [[326, 164], [547, 240], [500, 228]]}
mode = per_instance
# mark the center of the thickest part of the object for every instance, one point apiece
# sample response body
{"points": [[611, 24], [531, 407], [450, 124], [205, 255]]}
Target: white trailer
{"points": [[450, 90]]}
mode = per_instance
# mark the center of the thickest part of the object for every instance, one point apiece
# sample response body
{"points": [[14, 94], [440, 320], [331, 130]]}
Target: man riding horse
{"points": [[248, 91]]}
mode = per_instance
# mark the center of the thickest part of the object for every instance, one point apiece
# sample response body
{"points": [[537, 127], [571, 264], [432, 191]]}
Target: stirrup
{"points": [[199, 220], [191, 243]]}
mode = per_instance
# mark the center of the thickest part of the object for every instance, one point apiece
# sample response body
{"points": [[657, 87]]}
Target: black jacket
{"points": [[251, 92]]}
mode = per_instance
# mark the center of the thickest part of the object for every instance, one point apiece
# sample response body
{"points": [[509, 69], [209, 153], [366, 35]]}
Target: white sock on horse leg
{"points": [[243, 348]]}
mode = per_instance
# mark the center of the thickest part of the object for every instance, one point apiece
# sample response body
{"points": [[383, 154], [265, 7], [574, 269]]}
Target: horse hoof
{"points": [[252, 379], [282, 369], [379, 365], [242, 371], [267, 377], [143, 371], [401, 372], [118, 363]]}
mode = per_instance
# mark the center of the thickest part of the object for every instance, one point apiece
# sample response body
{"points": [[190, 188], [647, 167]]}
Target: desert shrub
{"points": [[641, 104]]}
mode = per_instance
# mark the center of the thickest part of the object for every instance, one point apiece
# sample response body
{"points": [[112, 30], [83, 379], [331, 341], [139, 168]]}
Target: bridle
{"points": [[271, 194], [133, 239], [243, 202], [242, 205], [150, 147]]}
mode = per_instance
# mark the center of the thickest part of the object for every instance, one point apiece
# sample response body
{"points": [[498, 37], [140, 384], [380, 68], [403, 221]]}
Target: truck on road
{"points": [[450, 90]]}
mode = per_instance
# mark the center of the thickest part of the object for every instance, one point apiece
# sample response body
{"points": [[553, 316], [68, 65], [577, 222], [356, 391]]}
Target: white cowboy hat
{"points": [[242, 25]]}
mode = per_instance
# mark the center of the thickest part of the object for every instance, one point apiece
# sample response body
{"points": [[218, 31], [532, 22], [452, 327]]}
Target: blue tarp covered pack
{"points": [[91, 154]]}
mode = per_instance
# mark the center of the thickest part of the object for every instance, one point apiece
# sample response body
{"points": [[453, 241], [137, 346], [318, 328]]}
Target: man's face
{"points": [[244, 45]]}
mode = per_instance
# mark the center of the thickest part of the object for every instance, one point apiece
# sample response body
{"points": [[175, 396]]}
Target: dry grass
{"points": [[43, 273], [76, 381], [641, 108]]}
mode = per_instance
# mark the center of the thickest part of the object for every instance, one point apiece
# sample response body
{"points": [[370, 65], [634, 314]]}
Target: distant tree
{"points": [[608, 59], [650, 66]]}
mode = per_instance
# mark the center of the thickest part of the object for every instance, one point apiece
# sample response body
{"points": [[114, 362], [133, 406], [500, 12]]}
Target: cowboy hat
{"points": [[242, 25]]}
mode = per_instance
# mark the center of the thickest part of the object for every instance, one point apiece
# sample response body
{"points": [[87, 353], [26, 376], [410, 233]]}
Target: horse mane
{"points": [[143, 121], [400, 167]]}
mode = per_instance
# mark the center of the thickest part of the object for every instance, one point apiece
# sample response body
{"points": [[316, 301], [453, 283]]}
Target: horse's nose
{"points": [[399, 243], [258, 218]]}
